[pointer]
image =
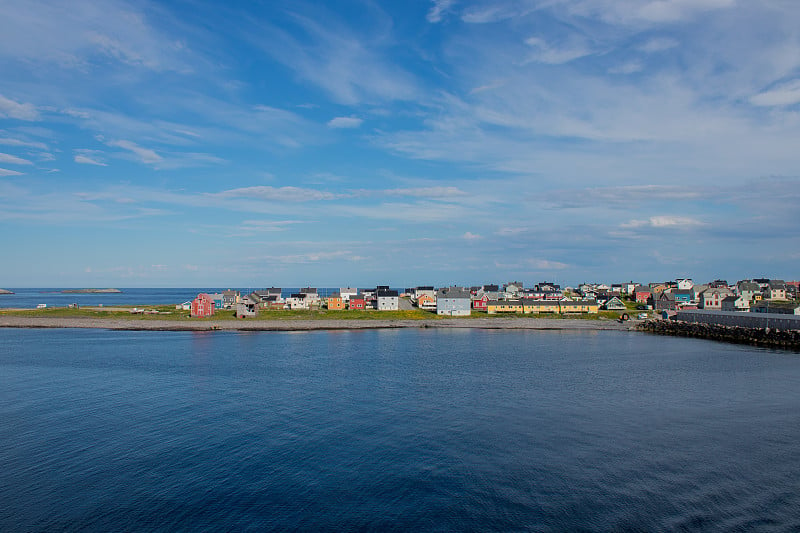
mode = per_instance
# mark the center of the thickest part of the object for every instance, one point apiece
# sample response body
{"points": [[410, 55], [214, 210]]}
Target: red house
{"points": [[357, 303], [202, 306], [480, 304]]}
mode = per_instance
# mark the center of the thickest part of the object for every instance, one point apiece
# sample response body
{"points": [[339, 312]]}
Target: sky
{"points": [[340, 143]]}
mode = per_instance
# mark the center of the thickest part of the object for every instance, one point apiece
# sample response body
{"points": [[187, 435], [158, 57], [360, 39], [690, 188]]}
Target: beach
{"points": [[7, 321]]}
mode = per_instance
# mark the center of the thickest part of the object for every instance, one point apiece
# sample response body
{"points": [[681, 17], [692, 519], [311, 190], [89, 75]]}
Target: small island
{"points": [[3, 291], [91, 291]]}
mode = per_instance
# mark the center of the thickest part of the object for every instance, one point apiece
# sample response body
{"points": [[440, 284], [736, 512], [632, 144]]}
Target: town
{"points": [[760, 295]]}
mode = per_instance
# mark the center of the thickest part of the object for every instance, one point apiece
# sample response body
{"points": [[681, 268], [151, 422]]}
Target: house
{"points": [[453, 301], [335, 302], [185, 306], [246, 308], [479, 302], [426, 302], [712, 298], [683, 296], [347, 292], [387, 299], [614, 304], [230, 298], [357, 302], [684, 284], [665, 302], [642, 294], [312, 298], [202, 306], [776, 290], [513, 289], [298, 301], [217, 299], [541, 306], [735, 303], [579, 306], [504, 306], [426, 290]]}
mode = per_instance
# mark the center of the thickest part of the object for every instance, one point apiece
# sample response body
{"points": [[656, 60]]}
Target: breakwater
{"points": [[770, 337]]}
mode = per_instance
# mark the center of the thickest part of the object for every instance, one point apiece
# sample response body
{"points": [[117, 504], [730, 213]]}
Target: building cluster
{"points": [[761, 295], [757, 295], [447, 301]]}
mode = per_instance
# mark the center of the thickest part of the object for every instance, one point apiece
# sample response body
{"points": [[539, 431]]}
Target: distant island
{"points": [[3, 291], [91, 291]]}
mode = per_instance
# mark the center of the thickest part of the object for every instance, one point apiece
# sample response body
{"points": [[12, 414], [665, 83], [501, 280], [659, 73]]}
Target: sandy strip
{"points": [[310, 325]]}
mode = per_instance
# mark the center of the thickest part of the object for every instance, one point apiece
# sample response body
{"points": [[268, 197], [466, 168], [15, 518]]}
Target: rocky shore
{"points": [[309, 325], [789, 339], [4, 291]]}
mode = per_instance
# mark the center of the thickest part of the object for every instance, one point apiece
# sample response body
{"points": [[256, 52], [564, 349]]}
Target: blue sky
{"points": [[253, 144]]}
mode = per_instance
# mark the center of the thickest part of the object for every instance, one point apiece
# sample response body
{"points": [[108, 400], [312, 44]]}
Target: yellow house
{"points": [[541, 306], [504, 306], [579, 306], [335, 302]]}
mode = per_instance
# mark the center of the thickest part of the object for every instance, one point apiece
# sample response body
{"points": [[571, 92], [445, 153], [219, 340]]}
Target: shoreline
{"points": [[314, 325]]}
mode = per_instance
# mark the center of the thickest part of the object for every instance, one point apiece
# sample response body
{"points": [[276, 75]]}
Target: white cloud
{"points": [[146, 155], [27, 144], [278, 194], [439, 8], [11, 109], [469, 236], [426, 192], [551, 55], [85, 160], [663, 221], [6, 172], [352, 67], [786, 94], [658, 45], [13, 160], [345, 122]]}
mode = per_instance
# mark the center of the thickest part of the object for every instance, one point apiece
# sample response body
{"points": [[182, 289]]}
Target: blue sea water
{"points": [[466, 430]]}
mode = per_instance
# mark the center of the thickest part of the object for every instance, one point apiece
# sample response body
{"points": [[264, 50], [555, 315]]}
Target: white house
{"points": [[387, 300]]}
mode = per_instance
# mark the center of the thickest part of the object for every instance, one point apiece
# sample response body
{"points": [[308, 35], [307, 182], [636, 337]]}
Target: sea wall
{"points": [[771, 337], [741, 319]]}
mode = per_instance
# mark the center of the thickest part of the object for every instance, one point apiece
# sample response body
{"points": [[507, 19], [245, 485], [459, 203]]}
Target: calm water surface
{"points": [[406, 429]]}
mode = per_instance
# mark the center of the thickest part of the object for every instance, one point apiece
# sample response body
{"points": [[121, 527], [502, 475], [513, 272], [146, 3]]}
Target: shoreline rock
{"points": [[4, 291], [766, 337]]}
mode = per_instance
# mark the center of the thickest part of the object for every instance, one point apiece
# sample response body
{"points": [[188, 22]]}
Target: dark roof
{"points": [[386, 293]]}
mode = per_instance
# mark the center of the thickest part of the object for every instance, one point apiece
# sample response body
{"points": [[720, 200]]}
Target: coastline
{"points": [[312, 325]]}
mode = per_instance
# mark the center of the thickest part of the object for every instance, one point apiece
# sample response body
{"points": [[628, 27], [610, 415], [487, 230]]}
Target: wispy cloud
{"points": [[13, 160], [12, 109], [782, 95], [438, 10], [145, 155], [7, 172], [86, 160], [345, 123], [556, 55], [278, 194], [663, 221]]}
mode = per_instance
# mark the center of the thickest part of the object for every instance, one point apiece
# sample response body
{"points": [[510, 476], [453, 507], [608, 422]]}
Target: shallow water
{"points": [[395, 429]]}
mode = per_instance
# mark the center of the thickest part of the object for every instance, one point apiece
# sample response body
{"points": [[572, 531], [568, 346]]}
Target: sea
{"points": [[30, 298], [395, 430]]}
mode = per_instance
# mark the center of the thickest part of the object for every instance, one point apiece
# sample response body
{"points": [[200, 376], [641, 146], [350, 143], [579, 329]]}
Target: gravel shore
{"points": [[310, 325]]}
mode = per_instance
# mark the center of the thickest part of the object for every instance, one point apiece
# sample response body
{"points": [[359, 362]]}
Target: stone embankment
{"points": [[789, 339]]}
